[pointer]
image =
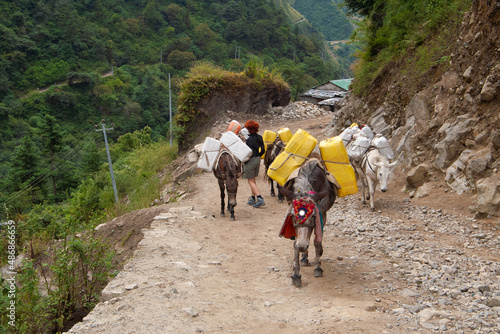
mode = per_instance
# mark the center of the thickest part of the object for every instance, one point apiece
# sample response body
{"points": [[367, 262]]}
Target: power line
{"points": [[41, 177], [109, 160]]}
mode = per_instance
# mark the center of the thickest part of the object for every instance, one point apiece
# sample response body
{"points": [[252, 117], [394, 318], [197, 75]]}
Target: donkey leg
{"points": [[281, 198], [318, 272], [222, 196], [305, 259], [363, 185], [273, 194], [296, 278], [371, 187], [231, 210]]}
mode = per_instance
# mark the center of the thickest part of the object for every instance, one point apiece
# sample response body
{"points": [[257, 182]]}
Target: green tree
{"points": [[296, 76], [52, 135], [25, 176], [91, 159], [152, 15], [203, 35], [180, 60]]}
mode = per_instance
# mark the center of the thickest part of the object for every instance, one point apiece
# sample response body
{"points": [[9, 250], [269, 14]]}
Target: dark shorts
{"points": [[251, 168]]}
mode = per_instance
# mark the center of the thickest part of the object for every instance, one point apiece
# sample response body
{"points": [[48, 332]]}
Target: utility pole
{"points": [[170, 108], [109, 159]]}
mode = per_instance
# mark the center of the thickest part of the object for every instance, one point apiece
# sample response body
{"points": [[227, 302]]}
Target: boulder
{"points": [[454, 140], [417, 114], [417, 176], [491, 85], [488, 195]]}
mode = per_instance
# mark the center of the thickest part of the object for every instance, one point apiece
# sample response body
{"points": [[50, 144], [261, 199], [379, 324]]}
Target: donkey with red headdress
{"points": [[311, 194]]}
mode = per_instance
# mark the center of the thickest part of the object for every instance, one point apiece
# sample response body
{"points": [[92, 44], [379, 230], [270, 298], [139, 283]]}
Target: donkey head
{"points": [[304, 212], [383, 170], [231, 180]]}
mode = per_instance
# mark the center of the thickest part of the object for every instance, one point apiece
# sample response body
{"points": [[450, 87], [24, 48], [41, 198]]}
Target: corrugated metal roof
{"points": [[323, 94], [342, 83], [330, 102]]}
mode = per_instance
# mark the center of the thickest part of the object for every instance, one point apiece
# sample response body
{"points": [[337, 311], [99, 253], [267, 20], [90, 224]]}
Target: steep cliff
{"points": [[245, 98], [443, 124]]}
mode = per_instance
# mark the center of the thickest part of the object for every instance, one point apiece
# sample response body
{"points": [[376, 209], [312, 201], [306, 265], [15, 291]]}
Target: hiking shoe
{"points": [[260, 202], [251, 201]]}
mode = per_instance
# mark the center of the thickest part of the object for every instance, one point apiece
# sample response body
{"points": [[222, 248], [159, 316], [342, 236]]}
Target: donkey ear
{"points": [[319, 196], [286, 192]]}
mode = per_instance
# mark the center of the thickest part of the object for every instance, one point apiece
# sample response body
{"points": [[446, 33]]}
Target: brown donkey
{"points": [[227, 171]]}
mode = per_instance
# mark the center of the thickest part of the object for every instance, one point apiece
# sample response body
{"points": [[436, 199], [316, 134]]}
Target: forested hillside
{"points": [[46, 44], [328, 16]]}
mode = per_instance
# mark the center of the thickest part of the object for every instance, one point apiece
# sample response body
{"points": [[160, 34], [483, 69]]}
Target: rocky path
{"points": [[399, 270], [414, 265]]}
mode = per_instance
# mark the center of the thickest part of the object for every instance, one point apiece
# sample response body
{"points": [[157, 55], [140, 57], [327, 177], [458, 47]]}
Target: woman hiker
{"points": [[251, 167]]}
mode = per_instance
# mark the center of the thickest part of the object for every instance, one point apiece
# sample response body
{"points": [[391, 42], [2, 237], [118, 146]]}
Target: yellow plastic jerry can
{"points": [[334, 154], [285, 135], [296, 152], [268, 137]]}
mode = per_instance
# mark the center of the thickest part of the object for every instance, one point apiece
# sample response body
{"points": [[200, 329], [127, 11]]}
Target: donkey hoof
{"points": [[273, 195], [304, 262], [372, 209], [222, 214], [280, 201], [233, 219], [297, 281], [318, 272]]}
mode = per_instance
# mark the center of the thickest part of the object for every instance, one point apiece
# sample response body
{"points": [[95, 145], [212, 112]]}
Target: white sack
{"points": [[381, 143], [209, 152], [359, 147], [236, 146]]}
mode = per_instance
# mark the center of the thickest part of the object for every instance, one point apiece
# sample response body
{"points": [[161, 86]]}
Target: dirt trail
{"points": [[197, 272], [212, 275]]}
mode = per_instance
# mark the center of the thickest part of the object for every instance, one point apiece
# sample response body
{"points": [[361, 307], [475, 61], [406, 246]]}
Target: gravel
{"points": [[443, 269]]}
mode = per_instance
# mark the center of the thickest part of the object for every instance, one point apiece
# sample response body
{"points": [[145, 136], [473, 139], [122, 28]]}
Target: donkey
{"points": [[227, 171], [273, 150], [310, 195], [372, 168]]}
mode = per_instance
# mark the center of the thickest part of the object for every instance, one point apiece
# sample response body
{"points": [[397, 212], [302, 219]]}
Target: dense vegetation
{"points": [[417, 31], [72, 42]]}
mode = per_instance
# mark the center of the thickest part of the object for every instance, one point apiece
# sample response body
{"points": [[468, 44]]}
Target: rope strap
{"points": [[336, 162], [289, 155]]}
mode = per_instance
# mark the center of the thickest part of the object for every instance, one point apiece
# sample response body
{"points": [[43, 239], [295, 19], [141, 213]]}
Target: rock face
{"points": [[248, 100], [449, 121]]}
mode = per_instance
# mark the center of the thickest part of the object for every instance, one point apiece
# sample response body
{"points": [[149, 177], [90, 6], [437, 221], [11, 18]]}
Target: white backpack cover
{"points": [[236, 146], [209, 152], [381, 143]]}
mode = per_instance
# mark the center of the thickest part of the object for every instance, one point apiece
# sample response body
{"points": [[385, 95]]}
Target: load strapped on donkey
{"points": [[311, 182], [224, 157], [369, 154]]}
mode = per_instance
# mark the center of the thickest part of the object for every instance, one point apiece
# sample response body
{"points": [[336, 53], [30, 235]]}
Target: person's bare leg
{"points": [[253, 187]]}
